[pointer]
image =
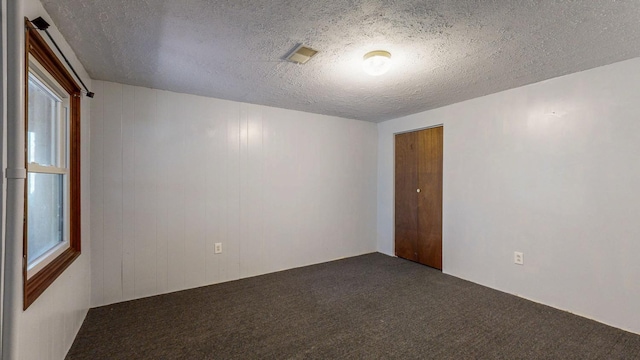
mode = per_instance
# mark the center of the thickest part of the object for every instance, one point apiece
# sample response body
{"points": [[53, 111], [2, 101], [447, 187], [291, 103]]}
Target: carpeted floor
{"points": [[367, 307]]}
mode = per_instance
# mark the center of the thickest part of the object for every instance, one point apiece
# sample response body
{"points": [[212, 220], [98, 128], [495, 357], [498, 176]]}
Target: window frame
{"points": [[34, 284], [43, 80]]}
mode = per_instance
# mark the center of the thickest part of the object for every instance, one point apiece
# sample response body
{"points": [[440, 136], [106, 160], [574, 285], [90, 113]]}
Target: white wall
{"points": [[48, 327], [3, 153], [172, 174], [550, 169]]}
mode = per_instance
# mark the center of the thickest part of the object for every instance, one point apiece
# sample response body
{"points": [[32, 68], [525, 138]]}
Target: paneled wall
{"points": [[551, 170], [173, 174]]}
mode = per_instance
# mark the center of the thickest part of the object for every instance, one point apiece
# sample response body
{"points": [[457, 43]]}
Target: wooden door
{"points": [[418, 193], [430, 197], [406, 199]]}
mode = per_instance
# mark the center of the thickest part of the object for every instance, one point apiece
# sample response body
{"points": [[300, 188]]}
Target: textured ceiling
{"points": [[443, 51]]}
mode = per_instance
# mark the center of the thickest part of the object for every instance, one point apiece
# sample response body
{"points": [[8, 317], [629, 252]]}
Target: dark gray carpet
{"points": [[366, 307]]}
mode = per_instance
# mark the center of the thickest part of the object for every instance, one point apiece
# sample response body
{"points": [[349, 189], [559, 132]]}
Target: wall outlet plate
{"points": [[518, 258], [217, 248]]}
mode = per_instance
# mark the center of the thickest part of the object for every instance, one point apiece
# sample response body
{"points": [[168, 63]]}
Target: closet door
{"points": [[418, 196], [406, 201], [430, 143]]}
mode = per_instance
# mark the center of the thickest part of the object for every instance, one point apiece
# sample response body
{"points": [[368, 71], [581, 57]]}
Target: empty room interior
{"points": [[333, 179]]}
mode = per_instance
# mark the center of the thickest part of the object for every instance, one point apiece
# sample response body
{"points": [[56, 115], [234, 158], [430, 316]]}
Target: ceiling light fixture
{"points": [[376, 62]]}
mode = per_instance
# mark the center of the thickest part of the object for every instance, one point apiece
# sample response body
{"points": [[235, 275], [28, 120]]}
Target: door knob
{"points": [[418, 190]]}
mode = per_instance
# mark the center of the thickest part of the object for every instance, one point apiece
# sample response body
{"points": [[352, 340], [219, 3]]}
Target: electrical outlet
{"points": [[217, 249], [518, 258]]}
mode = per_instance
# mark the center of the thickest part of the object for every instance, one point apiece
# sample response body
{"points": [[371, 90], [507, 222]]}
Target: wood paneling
{"points": [[128, 190], [418, 196], [145, 154], [97, 193], [279, 189], [406, 196], [112, 186]]}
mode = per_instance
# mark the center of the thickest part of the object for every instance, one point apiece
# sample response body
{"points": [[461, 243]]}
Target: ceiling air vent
{"points": [[301, 54]]}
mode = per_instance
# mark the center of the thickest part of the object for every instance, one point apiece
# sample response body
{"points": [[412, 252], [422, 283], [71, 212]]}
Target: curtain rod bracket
{"points": [[40, 23]]}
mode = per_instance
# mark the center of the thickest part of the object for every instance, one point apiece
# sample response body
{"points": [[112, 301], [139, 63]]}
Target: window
{"points": [[52, 192]]}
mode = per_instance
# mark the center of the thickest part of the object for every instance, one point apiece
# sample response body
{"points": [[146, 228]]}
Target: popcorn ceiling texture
{"points": [[443, 51]]}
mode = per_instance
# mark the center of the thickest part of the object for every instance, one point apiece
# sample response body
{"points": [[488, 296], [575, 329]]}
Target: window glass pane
{"points": [[43, 127], [45, 211]]}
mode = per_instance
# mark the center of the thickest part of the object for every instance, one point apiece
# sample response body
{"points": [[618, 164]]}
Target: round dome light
{"points": [[376, 62]]}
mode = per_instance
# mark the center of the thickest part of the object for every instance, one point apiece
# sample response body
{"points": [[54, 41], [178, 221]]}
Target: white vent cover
{"points": [[301, 54]]}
